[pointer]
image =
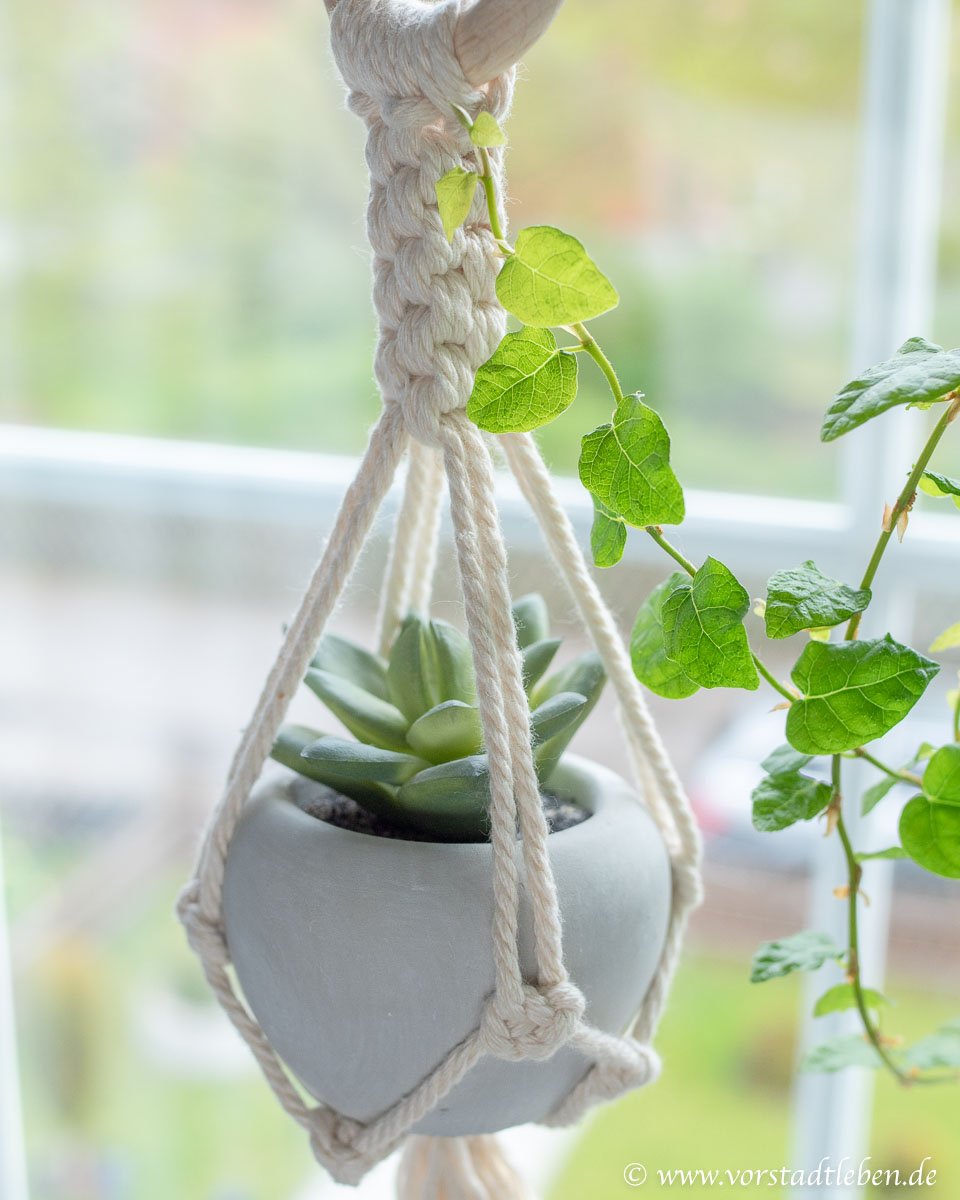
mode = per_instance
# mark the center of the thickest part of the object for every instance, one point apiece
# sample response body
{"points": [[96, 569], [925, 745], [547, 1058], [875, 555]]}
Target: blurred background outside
{"points": [[185, 349]]}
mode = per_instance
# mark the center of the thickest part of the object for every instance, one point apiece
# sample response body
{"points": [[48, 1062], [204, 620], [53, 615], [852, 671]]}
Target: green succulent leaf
{"points": [[836, 1054], [785, 761], [853, 692], [930, 823], [806, 951], [350, 661], [536, 660], [551, 280], [430, 662], [608, 535], [367, 717], [526, 383], [451, 799], [451, 730], [947, 640], [919, 373], [486, 132], [455, 192], [703, 629], [356, 760], [939, 486], [779, 801], [890, 852], [583, 676], [555, 715], [288, 749], [804, 598], [626, 466], [648, 656], [842, 997], [531, 620]]}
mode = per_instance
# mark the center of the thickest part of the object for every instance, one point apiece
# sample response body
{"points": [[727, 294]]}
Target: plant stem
{"points": [[772, 679], [855, 871], [490, 190], [905, 776], [902, 505], [589, 343], [657, 534]]}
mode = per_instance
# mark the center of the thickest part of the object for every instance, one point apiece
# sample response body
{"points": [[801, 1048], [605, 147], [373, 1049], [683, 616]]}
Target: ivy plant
{"points": [[690, 632]]}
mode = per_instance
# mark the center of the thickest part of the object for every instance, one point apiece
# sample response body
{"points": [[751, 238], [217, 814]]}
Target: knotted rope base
{"points": [[439, 320]]}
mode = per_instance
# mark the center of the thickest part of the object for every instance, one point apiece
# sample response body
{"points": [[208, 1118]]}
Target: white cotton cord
{"points": [[439, 320], [412, 560], [469, 1168]]}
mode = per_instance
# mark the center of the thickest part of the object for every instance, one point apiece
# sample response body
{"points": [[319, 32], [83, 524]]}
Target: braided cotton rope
{"points": [[439, 320]]}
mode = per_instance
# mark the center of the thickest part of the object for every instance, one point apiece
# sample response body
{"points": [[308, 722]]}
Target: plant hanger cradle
{"points": [[406, 64]]}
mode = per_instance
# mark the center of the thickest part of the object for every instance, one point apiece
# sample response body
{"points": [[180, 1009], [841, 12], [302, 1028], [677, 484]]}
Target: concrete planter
{"points": [[367, 959]]}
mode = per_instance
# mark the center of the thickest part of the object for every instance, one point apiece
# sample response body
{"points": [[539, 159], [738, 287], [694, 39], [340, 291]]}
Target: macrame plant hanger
{"points": [[439, 319]]}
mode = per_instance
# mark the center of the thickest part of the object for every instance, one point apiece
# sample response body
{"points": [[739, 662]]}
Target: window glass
{"points": [[186, 246]]}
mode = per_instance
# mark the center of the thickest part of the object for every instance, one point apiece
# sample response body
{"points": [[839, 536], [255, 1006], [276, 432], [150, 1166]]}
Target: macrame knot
{"points": [[635, 1066], [535, 1029], [204, 933], [332, 1142]]}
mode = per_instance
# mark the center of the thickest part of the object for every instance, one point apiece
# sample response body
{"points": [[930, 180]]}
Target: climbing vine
{"points": [[844, 691]]}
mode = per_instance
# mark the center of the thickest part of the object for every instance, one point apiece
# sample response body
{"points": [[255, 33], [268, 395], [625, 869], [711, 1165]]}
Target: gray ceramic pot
{"points": [[366, 959]]}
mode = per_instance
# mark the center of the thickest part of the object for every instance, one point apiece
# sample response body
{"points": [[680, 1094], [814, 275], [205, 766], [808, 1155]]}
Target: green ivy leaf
{"points": [[608, 535], [873, 795], [626, 466], [890, 852], [940, 1049], [527, 382], [853, 692], [806, 951], [804, 598], [779, 801], [930, 823], [919, 373], [843, 996], [703, 629], [937, 485], [836, 1054], [647, 654], [947, 640], [454, 198], [785, 761], [486, 132], [551, 280]]}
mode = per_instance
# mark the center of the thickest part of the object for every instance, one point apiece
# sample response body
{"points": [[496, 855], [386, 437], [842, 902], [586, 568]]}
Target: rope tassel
{"points": [[467, 1168]]}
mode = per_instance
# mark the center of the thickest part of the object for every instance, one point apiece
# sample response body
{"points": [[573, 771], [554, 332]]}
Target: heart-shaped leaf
{"points": [[455, 192], [836, 1054], [930, 823], [804, 598], [937, 485], [842, 997], [853, 692], [919, 373], [947, 640], [486, 132], [527, 382], [779, 801], [647, 653], [626, 465], [806, 951], [703, 629], [551, 280], [608, 535]]}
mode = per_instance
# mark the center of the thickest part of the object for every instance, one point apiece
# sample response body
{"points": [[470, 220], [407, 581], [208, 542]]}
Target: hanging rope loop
{"points": [[544, 1020]]}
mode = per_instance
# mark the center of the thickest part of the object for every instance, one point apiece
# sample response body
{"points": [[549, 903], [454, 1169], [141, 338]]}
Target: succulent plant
{"points": [[418, 759]]}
